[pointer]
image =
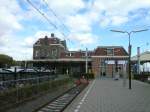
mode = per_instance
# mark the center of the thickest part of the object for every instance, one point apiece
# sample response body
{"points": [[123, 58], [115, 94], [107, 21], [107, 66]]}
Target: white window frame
{"points": [[109, 54]]}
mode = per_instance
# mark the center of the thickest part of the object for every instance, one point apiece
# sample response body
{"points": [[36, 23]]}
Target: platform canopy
{"points": [[61, 60], [144, 57]]}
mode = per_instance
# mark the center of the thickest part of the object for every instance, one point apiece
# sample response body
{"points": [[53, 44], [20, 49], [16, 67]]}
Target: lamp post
{"points": [[129, 49], [138, 60], [86, 61]]}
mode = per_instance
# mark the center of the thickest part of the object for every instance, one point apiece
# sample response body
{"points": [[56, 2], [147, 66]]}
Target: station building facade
{"points": [[53, 53]]}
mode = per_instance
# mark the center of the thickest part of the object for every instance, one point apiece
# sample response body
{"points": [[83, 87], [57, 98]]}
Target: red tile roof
{"points": [[117, 50]]}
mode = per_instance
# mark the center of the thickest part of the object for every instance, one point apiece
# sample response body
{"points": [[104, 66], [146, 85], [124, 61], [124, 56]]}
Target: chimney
{"points": [[46, 37], [52, 34]]}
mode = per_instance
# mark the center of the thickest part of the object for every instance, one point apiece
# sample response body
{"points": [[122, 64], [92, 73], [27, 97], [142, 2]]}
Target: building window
{"points": [[54, 52], [102, 62], [110, 52], [70, 54], [66, 54], [43, 53], [36, 53]]}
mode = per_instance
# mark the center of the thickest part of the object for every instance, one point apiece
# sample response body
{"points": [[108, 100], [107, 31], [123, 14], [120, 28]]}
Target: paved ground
{"points": [[107, 95]]}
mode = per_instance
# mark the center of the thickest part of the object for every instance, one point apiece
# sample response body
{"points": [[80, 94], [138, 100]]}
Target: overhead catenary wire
{"points": [[48, 20], [41, 14], [53, 12]]}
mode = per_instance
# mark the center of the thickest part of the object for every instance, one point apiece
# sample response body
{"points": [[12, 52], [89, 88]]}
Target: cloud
{"points": [[22, 47], [9, 16], [78, 39], [12, 46], [30, 40], [78, 23], [113, 20], [118, 20], [83, 38], [116, 12], [4, 40], [82, 17], [104, 22], [9, 21], [119, 7], [63, 7]]}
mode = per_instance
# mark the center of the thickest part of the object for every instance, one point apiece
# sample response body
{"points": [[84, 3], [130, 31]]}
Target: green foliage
{"points": [[89, 75], [20, 94], [86, 75], [19, 63], [5, 60]]}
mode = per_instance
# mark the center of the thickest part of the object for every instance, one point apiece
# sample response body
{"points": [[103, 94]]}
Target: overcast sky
{"points": [[88, 24]]}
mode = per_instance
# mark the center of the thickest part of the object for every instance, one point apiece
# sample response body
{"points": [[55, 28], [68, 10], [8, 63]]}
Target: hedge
{"points": [[16, 95]]}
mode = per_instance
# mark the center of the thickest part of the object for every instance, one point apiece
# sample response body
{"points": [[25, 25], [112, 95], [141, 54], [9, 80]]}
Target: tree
{"points": [[5, 60]]}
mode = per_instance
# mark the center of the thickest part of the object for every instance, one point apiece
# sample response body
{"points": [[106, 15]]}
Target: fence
{"points": [[143, 76], [9, 84], [16, 91], [5, 76]]}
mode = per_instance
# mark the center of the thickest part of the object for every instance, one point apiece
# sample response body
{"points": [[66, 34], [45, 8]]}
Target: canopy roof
{"points": [[145, 57]]}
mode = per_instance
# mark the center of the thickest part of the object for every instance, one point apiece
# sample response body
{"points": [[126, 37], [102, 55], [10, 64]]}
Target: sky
{"points": [[82, 23]]}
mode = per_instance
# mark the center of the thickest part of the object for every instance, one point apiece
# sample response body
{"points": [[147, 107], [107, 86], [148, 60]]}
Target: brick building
{"points": [[49, 48], [109, 60], [53, 53]]}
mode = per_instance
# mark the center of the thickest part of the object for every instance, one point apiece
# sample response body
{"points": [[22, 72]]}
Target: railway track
{"points": [[61, 102]]}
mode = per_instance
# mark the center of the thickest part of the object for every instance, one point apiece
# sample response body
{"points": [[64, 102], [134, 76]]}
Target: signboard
{"points": [[121, 62], [110, 62]]}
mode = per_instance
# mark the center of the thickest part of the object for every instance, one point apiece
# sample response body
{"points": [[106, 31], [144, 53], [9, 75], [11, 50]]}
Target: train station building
{"points": [[51, 52]]}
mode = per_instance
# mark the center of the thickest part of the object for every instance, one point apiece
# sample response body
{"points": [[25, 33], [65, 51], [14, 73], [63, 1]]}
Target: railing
{"points": [[5, 85], [5, 76], [13, 92], [143, 76]]}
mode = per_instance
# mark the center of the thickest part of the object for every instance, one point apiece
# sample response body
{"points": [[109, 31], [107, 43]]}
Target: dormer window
{"points": [[37, 43], [55, 41], [70, 54], [110, 52]]}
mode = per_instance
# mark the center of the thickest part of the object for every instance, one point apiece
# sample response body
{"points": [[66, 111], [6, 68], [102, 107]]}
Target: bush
{"points": [[5, 60], [77, 75], [14, 95], [88, 75]]}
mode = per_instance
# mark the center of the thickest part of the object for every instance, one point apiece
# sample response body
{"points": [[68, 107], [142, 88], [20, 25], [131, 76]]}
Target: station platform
{"points": [[108, 95]]}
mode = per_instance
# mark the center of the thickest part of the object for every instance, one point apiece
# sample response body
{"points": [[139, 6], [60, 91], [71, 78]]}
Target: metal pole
{"points": [[129, 48], [124, 74], [129, 61], [138, 56], [86, 63]]}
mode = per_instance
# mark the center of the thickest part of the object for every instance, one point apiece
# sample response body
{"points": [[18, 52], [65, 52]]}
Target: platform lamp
{"points": [[129, 48]]}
